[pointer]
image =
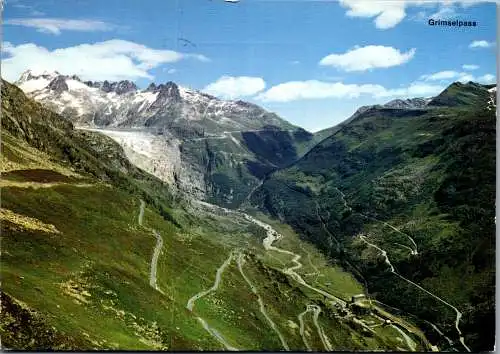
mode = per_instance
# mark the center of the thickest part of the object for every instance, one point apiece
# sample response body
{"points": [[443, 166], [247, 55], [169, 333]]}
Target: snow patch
{"points": [[34, 85], [185, 92], [147, 98], [75, 85]]}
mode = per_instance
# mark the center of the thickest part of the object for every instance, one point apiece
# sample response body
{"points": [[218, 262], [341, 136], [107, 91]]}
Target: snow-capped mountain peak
{"points": [[35, 74], [160, 106], [31, 80]]}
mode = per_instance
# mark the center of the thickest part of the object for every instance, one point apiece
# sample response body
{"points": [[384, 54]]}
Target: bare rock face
{"points": [[120, 87], [124, 87], [58, 85], [408, 103]]}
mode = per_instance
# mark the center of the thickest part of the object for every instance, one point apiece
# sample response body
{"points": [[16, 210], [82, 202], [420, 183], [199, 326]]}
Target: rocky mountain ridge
{"points": [[164, 106], [419, 103]]}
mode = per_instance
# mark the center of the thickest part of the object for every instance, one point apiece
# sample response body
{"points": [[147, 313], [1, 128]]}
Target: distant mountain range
{"points": [[164, 106]]}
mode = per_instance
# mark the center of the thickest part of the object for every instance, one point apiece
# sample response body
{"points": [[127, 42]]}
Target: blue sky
{"points": [[312, 62]]}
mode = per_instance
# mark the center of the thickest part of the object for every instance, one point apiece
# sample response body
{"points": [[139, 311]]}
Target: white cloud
{"points": [[420, 16], [56, 25], [445, 12], [313, 89], [481, 44], [487, 79], [457, 76], [112, 60], [470, 67], [441, 75], [416, 89], [369, 57], [388, 14], [233, 87], [466, 77]]}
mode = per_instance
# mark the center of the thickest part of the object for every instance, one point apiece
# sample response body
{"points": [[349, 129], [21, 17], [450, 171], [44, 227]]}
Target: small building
{"points": [[357, 298], [359, 309]]}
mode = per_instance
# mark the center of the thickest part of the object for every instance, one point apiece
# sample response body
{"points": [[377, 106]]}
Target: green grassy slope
{"points": [[459, 94], [428, 173], [76, 260]]}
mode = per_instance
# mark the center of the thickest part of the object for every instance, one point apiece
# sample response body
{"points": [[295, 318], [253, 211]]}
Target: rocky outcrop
{"points": [[58, 85], [120, 87]]}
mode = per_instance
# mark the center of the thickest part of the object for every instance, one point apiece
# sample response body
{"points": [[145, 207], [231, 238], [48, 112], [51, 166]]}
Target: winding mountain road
{"points": [[316, 310], [392, 270], [154, 261], [156, 251], [409, 342], [193, 299], [241, 261], [272, 236], [458, 313], [383, 252], [302, 327], [413, 251], [324, 339], [218, 277]]}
